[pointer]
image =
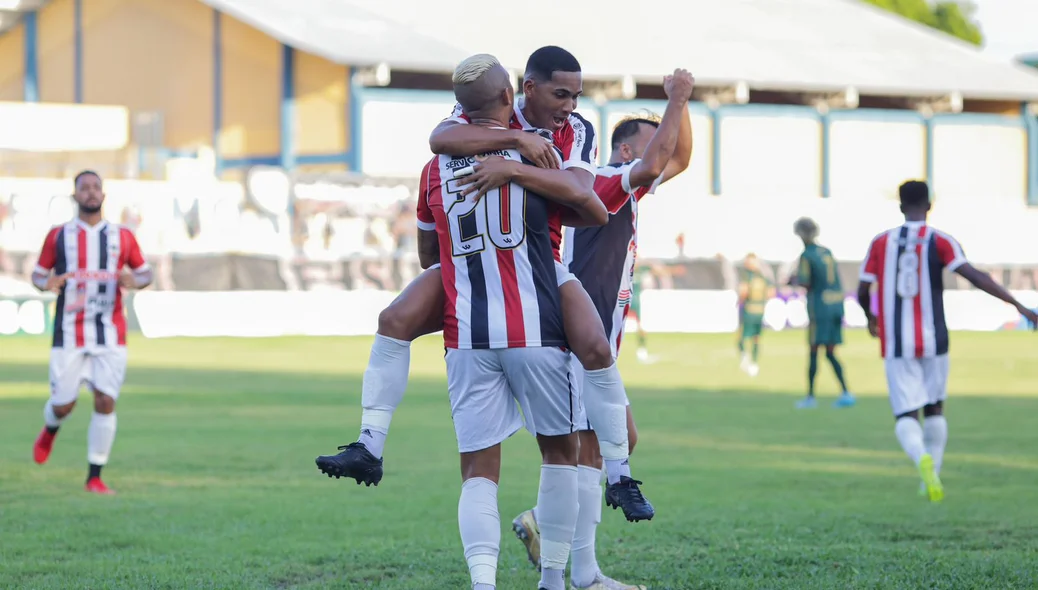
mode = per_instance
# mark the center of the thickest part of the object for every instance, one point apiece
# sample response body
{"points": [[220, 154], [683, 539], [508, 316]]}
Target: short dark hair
{"points": [[75, 182], [550, 59], [914, 194], [629, 127]]}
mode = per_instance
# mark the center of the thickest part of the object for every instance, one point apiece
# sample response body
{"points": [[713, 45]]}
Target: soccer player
{"points": [[754, 292], [551, 86], [496, 251], [85, 262], [817, 274], [646, 153], [908, 263], [640, 272]]}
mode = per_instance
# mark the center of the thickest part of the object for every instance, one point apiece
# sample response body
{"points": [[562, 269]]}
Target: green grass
{"points": [[217, 486]]}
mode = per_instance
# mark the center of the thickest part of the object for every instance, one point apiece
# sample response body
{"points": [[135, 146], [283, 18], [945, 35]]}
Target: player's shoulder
{"points": [[612, 170], [579, 124], [940, 234]]}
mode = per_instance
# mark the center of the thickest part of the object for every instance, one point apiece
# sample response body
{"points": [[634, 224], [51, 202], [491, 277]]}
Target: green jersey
{"points": [[818, 275], [757, 288]]}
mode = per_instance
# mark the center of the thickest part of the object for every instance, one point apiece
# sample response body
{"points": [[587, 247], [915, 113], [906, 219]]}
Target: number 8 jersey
{"points": [[496, 257], [908, 263]]}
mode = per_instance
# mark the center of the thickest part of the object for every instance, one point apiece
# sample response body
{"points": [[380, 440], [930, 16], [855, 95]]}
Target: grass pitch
{"points": [[214, 465]]}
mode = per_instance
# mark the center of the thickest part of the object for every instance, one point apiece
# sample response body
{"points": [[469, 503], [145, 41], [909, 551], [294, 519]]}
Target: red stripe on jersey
{"points": [[506, 219], [129, 252], [513, 300], [876, 266], [555, 230], [81, 264], [447, 271], [917, 303]]}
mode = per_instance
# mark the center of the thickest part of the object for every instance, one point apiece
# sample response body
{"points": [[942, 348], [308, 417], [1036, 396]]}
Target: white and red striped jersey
{"points": [[576, 140], [496, 258], [89, 311], [908, 263], [603, 257]]}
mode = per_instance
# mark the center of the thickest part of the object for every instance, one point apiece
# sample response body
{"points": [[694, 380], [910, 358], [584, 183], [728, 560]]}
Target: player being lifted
{"points": [[754, 292], [502, 325], [551, 86], [817, 274], [908, 263], [84, 261], [646, 153]]}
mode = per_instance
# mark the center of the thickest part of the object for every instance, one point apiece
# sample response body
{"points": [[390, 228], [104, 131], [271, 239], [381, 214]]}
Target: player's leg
{"points": [[418, 310], [603, 395], [744, 357], [108, 371], [908, 395], [636, 312], [485, 414], [812, 370], [834, 338], [540, 379], [66, 369], [935, 425]]}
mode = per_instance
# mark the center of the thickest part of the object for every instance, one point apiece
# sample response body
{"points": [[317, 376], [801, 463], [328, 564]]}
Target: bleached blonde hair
{"points": [[473, 68]]}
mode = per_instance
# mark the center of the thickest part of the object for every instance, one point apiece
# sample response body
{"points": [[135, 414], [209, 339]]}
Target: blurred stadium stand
{"points": [[273, 145]]}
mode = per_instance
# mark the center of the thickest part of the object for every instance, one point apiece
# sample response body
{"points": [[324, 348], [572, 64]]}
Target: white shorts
{"points": [[104, 369], [577, 370], [562, 274], [488, 387], [916, 382]]}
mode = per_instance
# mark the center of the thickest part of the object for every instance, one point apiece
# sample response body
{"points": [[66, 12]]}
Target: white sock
{"points": [[910, 434], [589, 514], [50, 419], [606, 404], [557, 520], [935, 437], [100, 436], [480, 524], [382, 389]]}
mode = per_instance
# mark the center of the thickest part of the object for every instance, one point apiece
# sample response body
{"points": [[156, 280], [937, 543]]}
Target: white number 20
{"points": [[908, 275], [505, 219]]}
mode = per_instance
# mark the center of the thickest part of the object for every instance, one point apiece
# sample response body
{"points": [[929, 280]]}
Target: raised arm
{"points": [[663, 159]]}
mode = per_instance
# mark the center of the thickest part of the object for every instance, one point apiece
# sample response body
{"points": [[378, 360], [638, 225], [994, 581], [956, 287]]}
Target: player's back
{"points": [[908, 263], [497, 261], [757, 286], [818, 274]]}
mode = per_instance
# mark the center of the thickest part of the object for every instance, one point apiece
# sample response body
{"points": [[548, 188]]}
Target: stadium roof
{"points": [[801, 45]]}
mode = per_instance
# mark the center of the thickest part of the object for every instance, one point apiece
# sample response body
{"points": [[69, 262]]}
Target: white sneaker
{"points": [[753, 370], [605, 583], [744, 365]]}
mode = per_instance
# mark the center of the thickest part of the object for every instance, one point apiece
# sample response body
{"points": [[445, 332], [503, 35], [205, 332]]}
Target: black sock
{"points": [[838, 369], [53, 429], [95, 471], [812, 371]]}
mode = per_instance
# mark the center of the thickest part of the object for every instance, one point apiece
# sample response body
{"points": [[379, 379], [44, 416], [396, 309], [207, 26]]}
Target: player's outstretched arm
{"points": [[428, 248], [985, 283], [453, 138], [670, 149]]}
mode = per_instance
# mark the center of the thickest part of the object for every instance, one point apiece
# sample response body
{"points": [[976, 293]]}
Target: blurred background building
{"points": [[266, 152]]}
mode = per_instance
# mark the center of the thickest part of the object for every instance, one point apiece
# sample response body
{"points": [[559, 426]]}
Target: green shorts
{"points": [[752, 325], [826, 330]]}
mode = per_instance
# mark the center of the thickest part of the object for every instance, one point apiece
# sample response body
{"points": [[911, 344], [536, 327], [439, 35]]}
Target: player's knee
{"points": [[64, 410], [558, 450], [485, 464], [597, 355], [590, 453], [103, 404], [933, 409], [393, 322]]}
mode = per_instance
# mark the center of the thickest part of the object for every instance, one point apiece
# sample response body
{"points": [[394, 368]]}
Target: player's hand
{"points": [[489, 174], [679, 84], [126, 281], [57, 282], [1030, 315], [873, 326], [537, 150]]}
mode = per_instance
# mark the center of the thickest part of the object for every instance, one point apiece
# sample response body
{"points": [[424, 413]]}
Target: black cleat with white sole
{"points": [[627, 496], [354, 461]]}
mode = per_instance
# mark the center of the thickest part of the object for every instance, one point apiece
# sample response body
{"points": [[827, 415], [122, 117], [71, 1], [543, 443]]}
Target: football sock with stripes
{"points": [[935, 437], [479, 522], [382, 389], [838, 369]]}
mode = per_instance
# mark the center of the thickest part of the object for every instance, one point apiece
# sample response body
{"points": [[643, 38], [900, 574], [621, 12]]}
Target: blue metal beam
{"points": [[930, 156], [288, 107], [1031, 123], [77, 43], [354, 117], [826, 154], [31, 82], [217, 89], [715, 151]]}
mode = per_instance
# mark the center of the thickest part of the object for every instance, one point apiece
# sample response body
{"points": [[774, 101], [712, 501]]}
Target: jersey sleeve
{"points": [[949, 251], [458, 115], [639, 191], [48, 253], [613, 187], [426, 221], [581, 149], [133, 256], [873, 263]]}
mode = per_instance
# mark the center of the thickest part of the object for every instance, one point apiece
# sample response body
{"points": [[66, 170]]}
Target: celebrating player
{"points": [[503, 327], [908, 264], [88, 258], [551, 86], [645, 154], [817, 274], [754, 292]]}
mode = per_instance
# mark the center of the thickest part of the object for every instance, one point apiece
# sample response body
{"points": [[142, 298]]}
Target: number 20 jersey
{"points": [[497, 260], [908, 263]]}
